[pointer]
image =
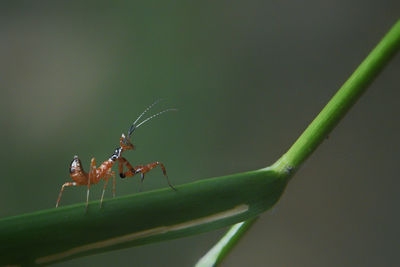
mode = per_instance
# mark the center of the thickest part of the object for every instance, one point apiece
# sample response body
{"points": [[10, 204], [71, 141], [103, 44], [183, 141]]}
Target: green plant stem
{"points": [[227, 242], [319, 129], [342, 101]]}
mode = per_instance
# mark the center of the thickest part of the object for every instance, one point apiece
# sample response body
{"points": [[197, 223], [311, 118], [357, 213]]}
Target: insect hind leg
{"points": [[62, 190]]}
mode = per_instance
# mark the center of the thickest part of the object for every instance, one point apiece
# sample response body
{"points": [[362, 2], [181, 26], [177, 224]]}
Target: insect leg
{"points": [[141, 181], [113, 174], [108, 176], [146, 168], [62, 190], [104, 189], [131, 170], [92, 176]]}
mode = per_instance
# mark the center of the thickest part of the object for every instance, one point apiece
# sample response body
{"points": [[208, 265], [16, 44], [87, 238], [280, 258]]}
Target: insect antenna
{"points": [[134, 125], [132, 128], [147, 109], [155, 115]]}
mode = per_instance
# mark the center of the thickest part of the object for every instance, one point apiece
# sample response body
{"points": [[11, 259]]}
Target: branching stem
{"points": [[319, 128]]}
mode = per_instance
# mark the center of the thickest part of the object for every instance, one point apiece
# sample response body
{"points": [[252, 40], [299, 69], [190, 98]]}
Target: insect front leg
{"points": [[62, 190], [141, 182], [143, 169], [131, 170]]}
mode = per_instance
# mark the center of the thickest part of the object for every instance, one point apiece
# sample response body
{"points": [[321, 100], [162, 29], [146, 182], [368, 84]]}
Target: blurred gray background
{"points": [[247, 78]]}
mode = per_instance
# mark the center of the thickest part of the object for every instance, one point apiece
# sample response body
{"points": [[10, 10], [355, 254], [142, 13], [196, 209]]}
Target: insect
{"points": [[80, 177]]}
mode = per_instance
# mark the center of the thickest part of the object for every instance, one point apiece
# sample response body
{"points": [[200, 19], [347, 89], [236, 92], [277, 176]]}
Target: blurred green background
{"points": [[247, 78]]}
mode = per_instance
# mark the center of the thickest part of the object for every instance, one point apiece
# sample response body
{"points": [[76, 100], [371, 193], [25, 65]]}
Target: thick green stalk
{"points": [[318, 130], [68, 232]]}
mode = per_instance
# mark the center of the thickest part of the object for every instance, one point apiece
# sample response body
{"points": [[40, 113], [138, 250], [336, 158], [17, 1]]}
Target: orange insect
{"points": [[80, 177]]}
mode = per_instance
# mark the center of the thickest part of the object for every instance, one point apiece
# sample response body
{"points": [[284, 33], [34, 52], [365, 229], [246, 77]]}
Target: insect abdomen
{"points": [[76, 171], [76, 166]]}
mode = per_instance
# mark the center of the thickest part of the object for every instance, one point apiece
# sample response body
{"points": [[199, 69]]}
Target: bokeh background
{"points": [[247, 78]]}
